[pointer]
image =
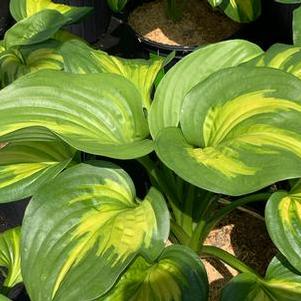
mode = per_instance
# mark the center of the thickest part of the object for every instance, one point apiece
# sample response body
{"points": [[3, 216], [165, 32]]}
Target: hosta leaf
{"points": [[10, 257], [215, 3], [283, 57], [280, 284], [190, 71], [21, 9], [96, 229], [35, 29], [297, 26], [236, 141], [25, 166], [178, 274], [283, 219], [80, 58], [242, 10], [14, 65], [29, 134], [117, 5], [97, 113]]}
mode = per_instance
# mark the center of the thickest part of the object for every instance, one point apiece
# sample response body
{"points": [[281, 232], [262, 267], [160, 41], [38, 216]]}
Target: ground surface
{"points": [[244, 236]]}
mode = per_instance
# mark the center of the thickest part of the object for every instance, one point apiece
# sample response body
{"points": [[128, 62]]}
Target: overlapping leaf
{"points": [[280, 284], [283, 219], [21, 9], [14, 63], [178, 274], [240, 136], [25, 166], [80, 58], [96, 229], [190, 71], [243, 11], [35, 29], [10, 257], [96, 113], [283, 57]]}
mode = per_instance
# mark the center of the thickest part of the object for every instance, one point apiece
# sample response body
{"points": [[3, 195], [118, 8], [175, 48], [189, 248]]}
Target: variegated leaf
{"points": [[35, 29], [25, 166], [178, 274], [236, 141], [280, 284], [97, 113], [215, 3], [14, 64], [10, 257], [81, 59], [283, 219], [191, 70], [243, 11], [96, 229], [281, 56], [21, 9]]}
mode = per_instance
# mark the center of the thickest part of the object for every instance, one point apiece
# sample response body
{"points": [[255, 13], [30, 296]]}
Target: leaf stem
{"points": [[211, 251]]}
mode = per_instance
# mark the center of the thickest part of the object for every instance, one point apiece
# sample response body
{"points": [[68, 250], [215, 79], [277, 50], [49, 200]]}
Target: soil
{"points": [[200, 24], [244, 236]]}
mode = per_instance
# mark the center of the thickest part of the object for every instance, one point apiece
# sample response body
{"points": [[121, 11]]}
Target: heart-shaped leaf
{"points": [[191, 70], [25, 166], [21, 9], [10, 257], [236, 141], [97, 113], [280, 284], [97, 227], [82, 59], [178, 274], [283, 219], [35, 29]]}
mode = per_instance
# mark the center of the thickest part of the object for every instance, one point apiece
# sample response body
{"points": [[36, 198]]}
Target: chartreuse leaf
{"points": [[10, 257], [243, 11], [283, 219], [281, 56], [281, 283], [82, 59], [14, 64], [190, 71], [35, 29], [25, 166], [178, 274], [236, 141], [97, 113], [100, 227], [21, 9], [3, 298]]}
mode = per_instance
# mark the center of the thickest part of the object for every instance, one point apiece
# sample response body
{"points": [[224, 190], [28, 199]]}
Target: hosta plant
{"points": [[224, 122]]}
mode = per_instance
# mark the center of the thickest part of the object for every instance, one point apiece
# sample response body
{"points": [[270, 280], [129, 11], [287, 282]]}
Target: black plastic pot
{"points": [[5, 18], [93, 25], [274, 26]]}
